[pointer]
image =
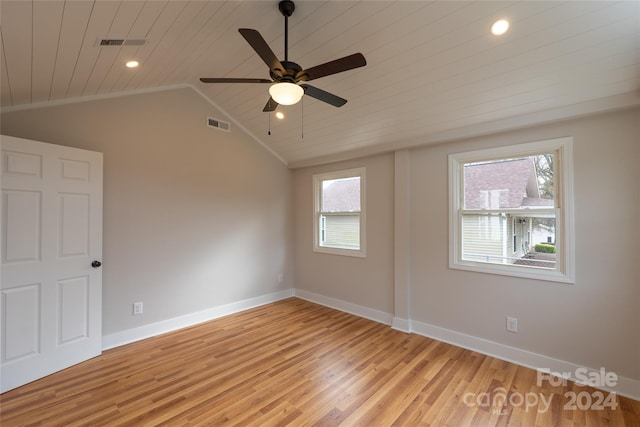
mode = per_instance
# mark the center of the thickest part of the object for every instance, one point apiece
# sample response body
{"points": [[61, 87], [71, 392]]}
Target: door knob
{"points": [[96, 264]]}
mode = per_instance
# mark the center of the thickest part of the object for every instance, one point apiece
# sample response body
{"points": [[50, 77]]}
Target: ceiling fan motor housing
{"points": [[292, 73]]}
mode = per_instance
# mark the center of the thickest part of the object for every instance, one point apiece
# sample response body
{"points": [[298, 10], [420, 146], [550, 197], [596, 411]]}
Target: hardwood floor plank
{"points": [[297, 363]]}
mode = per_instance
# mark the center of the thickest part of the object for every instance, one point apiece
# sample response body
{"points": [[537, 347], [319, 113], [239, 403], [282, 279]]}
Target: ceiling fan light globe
{"points": [[286, 93]]}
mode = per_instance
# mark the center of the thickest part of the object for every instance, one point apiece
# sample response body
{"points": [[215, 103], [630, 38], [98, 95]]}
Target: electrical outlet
{"points": [[280, 278], [137, 308], [512, 324]]}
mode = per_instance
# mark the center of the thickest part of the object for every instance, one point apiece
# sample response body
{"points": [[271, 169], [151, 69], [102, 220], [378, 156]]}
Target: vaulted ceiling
{"points": [[434, 71]]}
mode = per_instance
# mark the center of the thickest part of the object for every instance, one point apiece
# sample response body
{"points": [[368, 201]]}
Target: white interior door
{"points": [[51, 309]]}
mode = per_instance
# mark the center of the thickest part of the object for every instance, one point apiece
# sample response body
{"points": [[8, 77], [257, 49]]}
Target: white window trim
{"points": [[565, 229], [317, 180]]}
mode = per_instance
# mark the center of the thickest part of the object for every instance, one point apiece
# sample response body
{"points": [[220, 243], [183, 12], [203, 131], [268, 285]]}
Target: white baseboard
{"points": [[625, 387], [402, 325], [147, 331], [347, 307]]}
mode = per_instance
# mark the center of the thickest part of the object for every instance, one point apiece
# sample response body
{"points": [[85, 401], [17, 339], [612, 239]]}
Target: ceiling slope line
{"points": [[239, 125], [103, 96], [96, 97]]}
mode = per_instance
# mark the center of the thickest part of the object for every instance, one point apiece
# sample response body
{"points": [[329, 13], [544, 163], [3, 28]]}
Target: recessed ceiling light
{"points": [[280, 115], [500, 27], [132, 64]]}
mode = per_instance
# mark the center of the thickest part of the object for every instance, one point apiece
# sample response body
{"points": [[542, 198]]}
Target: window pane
{"points": [[509, 239], [341, 231], [341, 195], [544, 172], [509, 183]]}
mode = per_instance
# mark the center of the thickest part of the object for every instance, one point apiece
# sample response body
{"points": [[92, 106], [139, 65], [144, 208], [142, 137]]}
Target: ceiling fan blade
{"points": [[263, 50], [270, 106], [324, 96], [232, 80], [333, 67]]}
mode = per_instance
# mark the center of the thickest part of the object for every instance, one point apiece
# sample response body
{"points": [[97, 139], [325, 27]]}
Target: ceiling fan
{"points": [[287, 77]]}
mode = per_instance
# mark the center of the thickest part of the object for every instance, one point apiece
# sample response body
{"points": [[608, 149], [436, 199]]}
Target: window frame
{"points": [[514, 236], [562, 149], [317, 202]]}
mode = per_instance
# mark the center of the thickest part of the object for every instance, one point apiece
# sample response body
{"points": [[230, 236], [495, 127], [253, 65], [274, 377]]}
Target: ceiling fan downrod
{"points": [[286, 7]]}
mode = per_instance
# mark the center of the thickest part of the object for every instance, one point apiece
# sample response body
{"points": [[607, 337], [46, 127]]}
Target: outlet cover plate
{"points": [[137, 308]]}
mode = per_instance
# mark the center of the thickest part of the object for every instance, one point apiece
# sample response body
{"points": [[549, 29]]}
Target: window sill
{"points": [[513, 271], [358, 253]]}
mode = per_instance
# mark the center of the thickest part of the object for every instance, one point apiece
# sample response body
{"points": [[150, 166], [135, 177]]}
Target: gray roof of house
{"points": [[503, 184], [342, 195]]}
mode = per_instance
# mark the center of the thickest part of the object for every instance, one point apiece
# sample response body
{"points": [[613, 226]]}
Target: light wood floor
{"points": [[297, 363]]}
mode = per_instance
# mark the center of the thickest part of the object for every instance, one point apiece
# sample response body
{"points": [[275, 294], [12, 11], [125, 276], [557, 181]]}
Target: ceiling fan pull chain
{"points": [[302, 105], [269, 132]]}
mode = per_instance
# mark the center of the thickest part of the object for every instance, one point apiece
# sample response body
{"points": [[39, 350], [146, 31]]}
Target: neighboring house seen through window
{"points": [[511, 210], [339, 212]]}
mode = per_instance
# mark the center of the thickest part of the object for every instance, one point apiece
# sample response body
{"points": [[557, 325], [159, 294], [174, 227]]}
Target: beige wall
{"points": [[593, 323], [194, 217], [596, 321], [364, 281]]}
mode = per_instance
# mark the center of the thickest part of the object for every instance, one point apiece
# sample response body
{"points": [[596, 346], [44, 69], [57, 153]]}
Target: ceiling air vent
{"points": [[123, 42], [218, 124]]}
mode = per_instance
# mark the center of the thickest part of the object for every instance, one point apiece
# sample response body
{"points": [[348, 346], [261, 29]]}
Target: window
{"points": [[339, 220], [511, 210]]}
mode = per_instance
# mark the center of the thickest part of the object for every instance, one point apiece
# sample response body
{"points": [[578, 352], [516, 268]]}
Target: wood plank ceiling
{"points": [[434, 70]]}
